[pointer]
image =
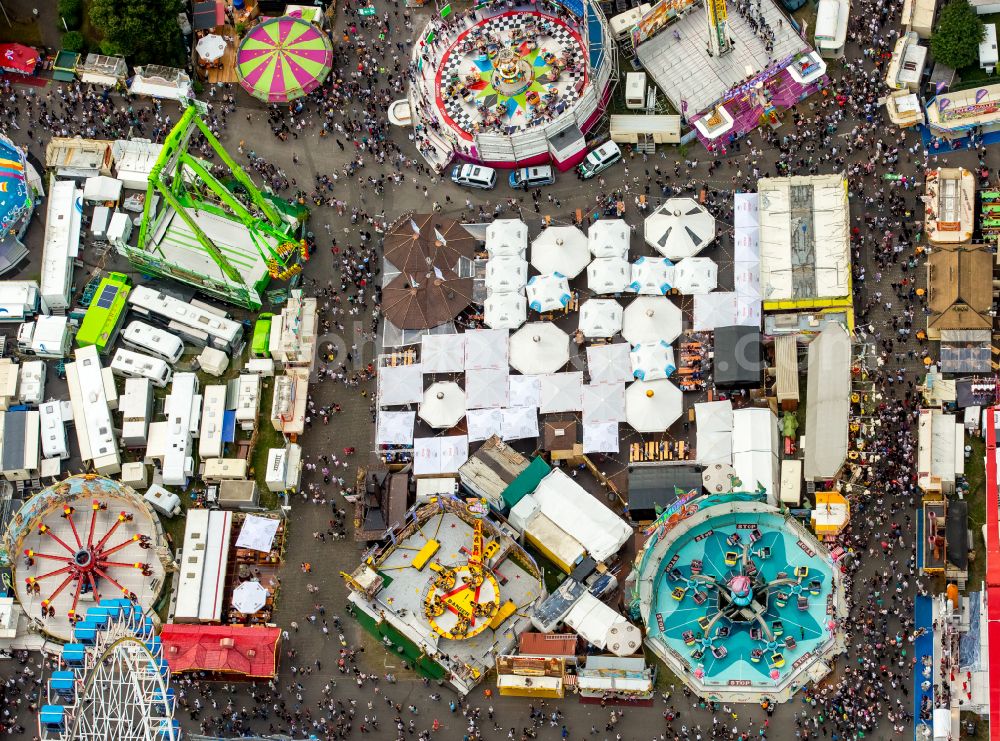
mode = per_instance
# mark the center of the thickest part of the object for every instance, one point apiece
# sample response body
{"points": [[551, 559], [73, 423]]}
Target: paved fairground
{"points": [[336, 151]]}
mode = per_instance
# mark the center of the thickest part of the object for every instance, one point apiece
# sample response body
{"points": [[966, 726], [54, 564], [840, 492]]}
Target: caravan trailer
{"points": [[136, 365], [194, 321], [143, 337], [635, 90]]}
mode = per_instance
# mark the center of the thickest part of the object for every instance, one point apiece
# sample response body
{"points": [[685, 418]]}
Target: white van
{"points": [[599, 160], [532, 177], [474, 176]]}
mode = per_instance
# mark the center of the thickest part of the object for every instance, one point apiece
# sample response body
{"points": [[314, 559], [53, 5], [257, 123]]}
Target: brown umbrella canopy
{"points": [[425, 300], [426, 241]]}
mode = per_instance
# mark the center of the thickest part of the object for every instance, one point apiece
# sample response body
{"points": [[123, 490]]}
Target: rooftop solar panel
{"points": [[107, 297]]}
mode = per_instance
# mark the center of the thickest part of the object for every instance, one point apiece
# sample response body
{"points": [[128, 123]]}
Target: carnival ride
{"points": [[82, 540], [112, 681], [739, 598], [461, 600], [226, 238]]}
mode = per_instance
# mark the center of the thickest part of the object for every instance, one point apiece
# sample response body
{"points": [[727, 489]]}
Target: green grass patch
{"points": [[267, 438], [664, 677], [975, 474], [982, 726]]}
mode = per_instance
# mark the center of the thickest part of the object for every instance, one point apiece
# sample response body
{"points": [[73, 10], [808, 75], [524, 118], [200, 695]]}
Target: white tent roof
{"points": [[604, 402], [652, 276], [651, 319], [593, 620], [102, 188], [526, 390], [694, 275], [400, 384], [609, 275], [746, 259], [756, 446], [601, 317], [756, 468], [506, 274], [609, 238], [601, 437], [713, 310], [482, 424], [548, 292], [609, 363], [519, 423], [442, 353], [561, 392], [714, 428], [539, 347], [581, 515], [680, 227], [443, 405], [507, 237], [395, 428], [822, 238], [652, 360], [745, 206], [624, 639], [561, 249], [827, 402], [505, 310], [486, 388], [652, 406], [486, 348], [437, 455]]}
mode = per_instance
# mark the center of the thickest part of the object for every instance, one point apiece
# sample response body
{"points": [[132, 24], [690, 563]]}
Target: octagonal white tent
{"points": [[443, 405], [651, 319], [505, 310], [548, 292], [507, 274], [601, 317], [539, 347], [560, 249], [679, 228], [652, 360], [609, 363], [609, 275], [609, 238], [507, 237], [652, 406], [696, 275], [652, 276]]}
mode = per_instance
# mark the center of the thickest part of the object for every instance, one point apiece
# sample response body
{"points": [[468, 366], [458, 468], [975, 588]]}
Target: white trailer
{"points": [[136, 406], [182, 410], [32, 384], [45, 337], [52, 428], [62, 244], [210, 443], [91, 400], [19, 300], [191, 320], [146, 338], [130, 364]]}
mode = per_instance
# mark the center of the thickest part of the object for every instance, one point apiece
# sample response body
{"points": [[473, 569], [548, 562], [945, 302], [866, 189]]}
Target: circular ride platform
{"points": [[741, 601], [81, 540], [509, 72]]}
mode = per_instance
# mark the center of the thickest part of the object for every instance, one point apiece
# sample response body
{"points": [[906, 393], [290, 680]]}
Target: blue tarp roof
{"points": [[229, 426]]}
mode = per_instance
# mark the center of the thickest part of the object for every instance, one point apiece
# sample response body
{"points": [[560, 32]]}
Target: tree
{"points": [[955, 43], [73, 41], [144, 31]]}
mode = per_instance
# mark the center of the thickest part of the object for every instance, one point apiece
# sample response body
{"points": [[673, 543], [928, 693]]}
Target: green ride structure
{"points": [[229, 240]]}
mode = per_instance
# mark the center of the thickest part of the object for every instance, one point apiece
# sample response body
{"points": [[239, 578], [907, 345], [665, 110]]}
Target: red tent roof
{"points": [[228, 649], [18, 58]]}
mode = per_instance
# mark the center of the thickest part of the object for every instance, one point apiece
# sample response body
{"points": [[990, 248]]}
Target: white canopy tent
{"points": [[250, 597], [601, 317], [695, 275], [506, 274], [400, 384], [443, 405], [442, 353], [651, 319], [548, 292], [561, 392], [652, 406], [539, 347], [609, 275], [746, 259], [482, 424], [652, 360], [507, 237], [828, 391], [505, 310], [604, 402], [560, 249], [519, 423], [652, 276], [486, 388], [258, 533], [713, 310], [679, 228], [525, 390], [601, 437], [714, 428], [486, 348], [609, 363], [756, 445], [609, 238], [438, 455], [395, 428]]}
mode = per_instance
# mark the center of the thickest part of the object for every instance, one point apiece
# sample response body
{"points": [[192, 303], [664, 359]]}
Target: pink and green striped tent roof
{"points": [[283, 59]]}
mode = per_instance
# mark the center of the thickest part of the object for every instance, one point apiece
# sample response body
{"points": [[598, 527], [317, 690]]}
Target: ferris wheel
{"points": [[113, 681]]}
